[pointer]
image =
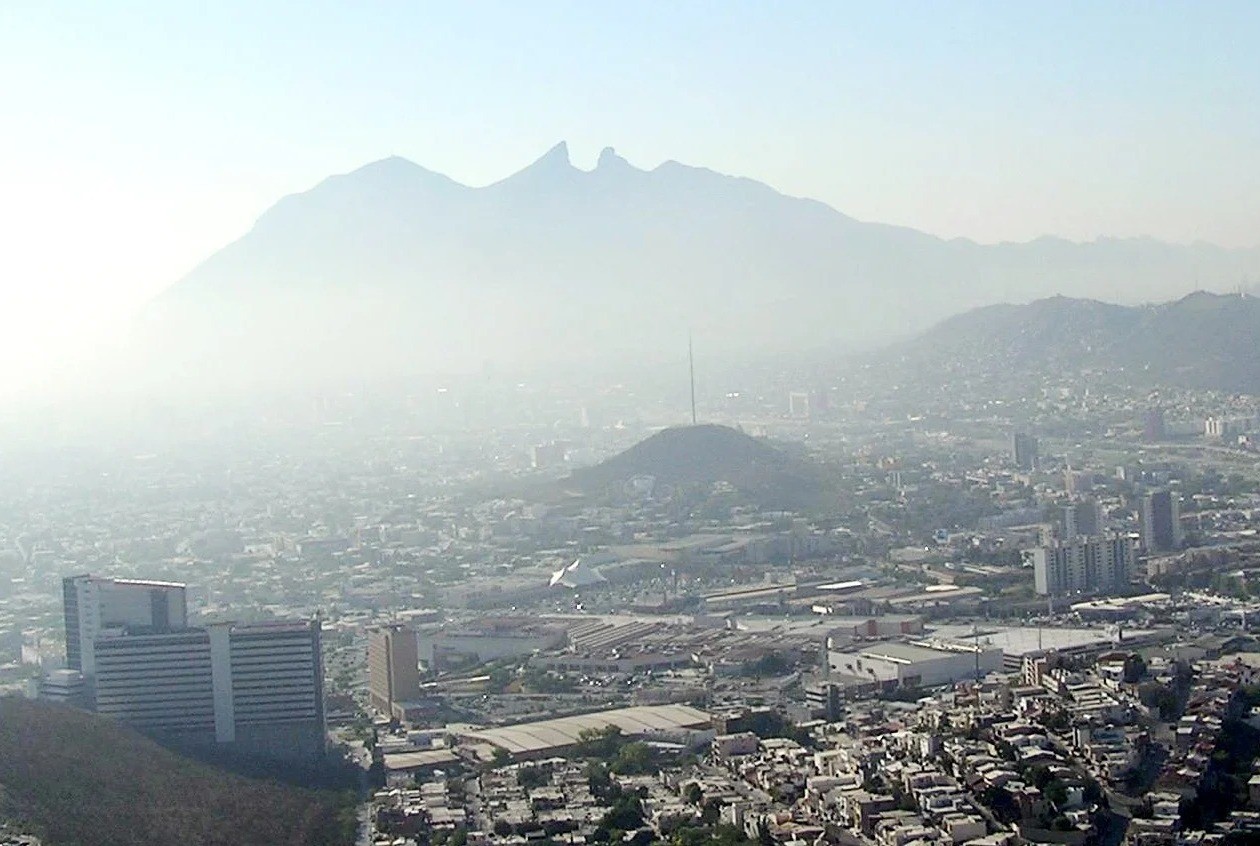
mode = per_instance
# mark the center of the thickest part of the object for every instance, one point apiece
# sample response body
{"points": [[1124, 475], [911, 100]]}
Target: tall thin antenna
{"points": [[691, 371]]}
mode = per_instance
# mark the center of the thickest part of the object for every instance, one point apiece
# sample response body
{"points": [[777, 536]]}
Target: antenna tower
{"points": [[691, 372]]}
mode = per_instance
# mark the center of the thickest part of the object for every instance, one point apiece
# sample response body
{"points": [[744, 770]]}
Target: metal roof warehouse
{"points": [[548, 736]]}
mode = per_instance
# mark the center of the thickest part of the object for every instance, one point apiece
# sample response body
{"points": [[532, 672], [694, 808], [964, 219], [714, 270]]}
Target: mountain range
{"points": [[1202, 341], [396, 269]]}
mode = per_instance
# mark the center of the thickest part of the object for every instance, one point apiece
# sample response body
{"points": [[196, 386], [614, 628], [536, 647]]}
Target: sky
{"points": [[139, 137]]}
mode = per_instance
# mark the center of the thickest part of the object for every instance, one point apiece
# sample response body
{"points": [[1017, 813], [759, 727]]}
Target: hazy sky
{"points": [[140, 136]]}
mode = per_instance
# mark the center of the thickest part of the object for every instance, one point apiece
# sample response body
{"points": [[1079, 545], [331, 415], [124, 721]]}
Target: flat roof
{"points": [[423, 758], [1026, 640], [525, 738], [148, 583]]}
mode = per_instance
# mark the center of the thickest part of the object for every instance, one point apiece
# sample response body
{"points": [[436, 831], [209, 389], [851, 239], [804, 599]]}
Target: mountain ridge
{"points": [[394, 267]]}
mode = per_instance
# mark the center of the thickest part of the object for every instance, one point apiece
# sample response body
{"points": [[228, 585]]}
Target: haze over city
{"points": [[145, 137], [640, 424]]}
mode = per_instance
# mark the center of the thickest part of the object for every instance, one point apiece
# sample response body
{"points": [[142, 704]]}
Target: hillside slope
{"points": [[79, 780], [1203, 341]]}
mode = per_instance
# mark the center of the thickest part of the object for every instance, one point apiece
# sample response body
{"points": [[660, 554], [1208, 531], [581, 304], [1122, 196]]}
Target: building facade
{"points": [[1082, 565], [1024, 451], [256, 689], [393, 667], [1161, 521], [95, 605], [1080, 518]]}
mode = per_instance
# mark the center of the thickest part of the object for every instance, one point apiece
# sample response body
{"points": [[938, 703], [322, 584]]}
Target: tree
{"points": [[600, 782], [634, 758], [1134, 668], [626, 814], [694, 794], [599, 743], [531, 778]]}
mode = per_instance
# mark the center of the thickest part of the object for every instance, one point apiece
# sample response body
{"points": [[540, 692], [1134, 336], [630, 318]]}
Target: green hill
{"points": [[79, 780], [1203, 341], [699, 456]]}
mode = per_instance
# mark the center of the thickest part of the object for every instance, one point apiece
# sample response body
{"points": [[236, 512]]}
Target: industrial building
{"points": [[443, 646], [547, 738], [920, 663]]}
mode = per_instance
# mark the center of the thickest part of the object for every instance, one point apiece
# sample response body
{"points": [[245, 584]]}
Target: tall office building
{"points": [[1082, 564], [1024, 451], [393, 668], [1153, 426], [1080, 518], [95, 605], [257, 689], [1161, 521]]}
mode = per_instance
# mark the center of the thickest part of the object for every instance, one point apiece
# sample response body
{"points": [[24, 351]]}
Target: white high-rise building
{"points": [[257, 688], [95, 605], [1082, 564]]}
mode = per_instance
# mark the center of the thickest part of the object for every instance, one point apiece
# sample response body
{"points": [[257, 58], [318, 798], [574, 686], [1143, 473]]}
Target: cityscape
{"points": [[863, 451], [975, 628]]}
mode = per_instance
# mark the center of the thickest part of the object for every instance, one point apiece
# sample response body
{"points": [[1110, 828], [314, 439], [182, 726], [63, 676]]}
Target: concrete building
{"points": [[257, 689], [65, 687], [393, 667], [444, 646], [1161, 521], [1082, 564], [95, 605], [914, 664], [1080, 518]]}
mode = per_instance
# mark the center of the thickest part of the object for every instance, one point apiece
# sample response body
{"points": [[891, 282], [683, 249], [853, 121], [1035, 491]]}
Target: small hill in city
{"points": [[1202, 341], [75, 778], [702, 456]]}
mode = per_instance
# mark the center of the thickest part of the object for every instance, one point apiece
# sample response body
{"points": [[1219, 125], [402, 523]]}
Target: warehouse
{"points": [[552, 737], [923, 663]]}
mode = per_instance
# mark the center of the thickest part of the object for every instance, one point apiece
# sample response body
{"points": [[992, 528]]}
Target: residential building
{"points": [[1082, 564], [1080, 518]]}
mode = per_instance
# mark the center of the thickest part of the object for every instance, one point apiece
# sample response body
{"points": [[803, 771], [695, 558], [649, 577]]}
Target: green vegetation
{"points": [[620, 755], [767, 724], [74, 778], [714, 835]]}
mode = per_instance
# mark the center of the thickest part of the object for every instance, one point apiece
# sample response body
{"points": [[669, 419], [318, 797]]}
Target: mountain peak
{"points": [[557, 156], [609, 160]]}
